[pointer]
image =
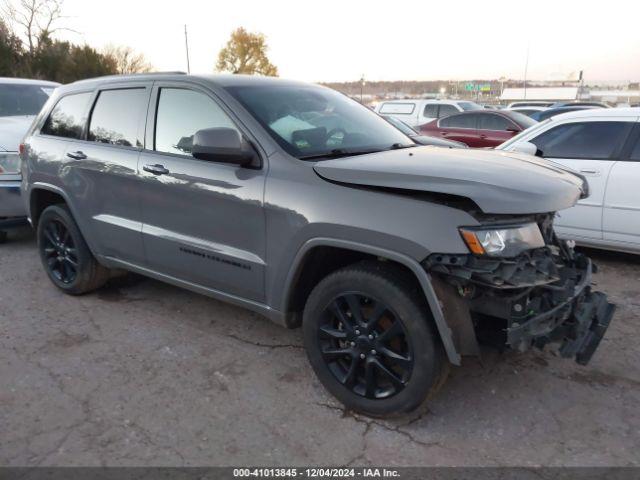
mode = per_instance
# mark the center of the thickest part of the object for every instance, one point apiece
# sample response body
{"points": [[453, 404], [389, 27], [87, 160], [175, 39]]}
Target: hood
{"points": [[12, 130], [498, 182]]}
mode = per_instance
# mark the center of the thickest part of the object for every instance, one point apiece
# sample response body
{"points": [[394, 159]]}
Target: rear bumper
{"points": [[11, 204]]}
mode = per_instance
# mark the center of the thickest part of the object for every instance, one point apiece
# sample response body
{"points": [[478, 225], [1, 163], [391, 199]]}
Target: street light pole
{"points": [[361, 87], [526, 68], [186, 46]]}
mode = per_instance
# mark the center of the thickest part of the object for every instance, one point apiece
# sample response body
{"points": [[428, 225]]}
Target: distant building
{"points": [[615, 96], [540, 93]]}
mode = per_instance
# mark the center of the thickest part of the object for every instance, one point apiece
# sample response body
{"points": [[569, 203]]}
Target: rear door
{"points": [[104, 165], [589, 146], [494, 129], [621, 218], [462, 127], [204, 221]]}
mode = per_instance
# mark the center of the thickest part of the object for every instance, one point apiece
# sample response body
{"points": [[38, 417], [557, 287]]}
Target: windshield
{"points": [[310, 121], [16, 99]]}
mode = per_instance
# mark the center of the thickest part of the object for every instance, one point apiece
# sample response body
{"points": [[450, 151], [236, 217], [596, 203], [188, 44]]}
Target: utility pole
{"points": [[526, 68], [186, 46]]}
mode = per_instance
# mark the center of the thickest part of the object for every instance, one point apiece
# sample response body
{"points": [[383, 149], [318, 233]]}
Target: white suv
{"points": [[604, 146], [417, 112]]}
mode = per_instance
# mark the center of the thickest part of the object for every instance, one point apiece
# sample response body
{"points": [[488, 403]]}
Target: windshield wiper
{"points": [[338, 153], [398, 146]]}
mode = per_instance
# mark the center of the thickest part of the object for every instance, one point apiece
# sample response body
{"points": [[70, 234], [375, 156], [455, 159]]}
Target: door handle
{"points": [[593, 172], [156, 169], [483, 136], [77, 155]]}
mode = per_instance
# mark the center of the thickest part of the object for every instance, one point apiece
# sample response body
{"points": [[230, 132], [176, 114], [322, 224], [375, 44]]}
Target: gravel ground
{"points": [[142, 373]]}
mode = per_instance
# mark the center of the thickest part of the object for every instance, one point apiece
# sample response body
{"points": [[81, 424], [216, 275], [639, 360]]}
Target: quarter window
{"points": [[181, 113], [67, 118], [397, 108], [116, 117], [583, 140]]}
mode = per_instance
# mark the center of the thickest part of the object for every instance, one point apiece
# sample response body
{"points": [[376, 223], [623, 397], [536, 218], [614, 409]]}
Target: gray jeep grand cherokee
{"points": [[298, 203]]}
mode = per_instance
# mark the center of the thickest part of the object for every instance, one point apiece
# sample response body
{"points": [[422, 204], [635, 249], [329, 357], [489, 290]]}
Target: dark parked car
{"points": [[299, 203], [488, 128], [552, 112], [420, 139]]}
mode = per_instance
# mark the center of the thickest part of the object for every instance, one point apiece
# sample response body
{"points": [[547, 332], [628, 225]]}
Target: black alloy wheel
{"points": [[60, 252], [365, 345]]}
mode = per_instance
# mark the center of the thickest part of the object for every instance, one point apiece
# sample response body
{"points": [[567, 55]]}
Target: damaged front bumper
{"points": [[541, 297]]}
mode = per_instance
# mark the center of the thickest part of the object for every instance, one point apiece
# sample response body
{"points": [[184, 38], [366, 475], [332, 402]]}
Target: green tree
{"points": [[246, 53], [11, 52]]}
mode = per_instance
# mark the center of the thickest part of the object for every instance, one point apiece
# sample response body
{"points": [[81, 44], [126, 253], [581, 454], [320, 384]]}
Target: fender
{"points": [[65, 197], [423, 278]]}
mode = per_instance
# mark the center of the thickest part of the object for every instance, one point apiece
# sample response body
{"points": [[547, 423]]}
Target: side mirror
{"points": [[512, 129], [525, 147], [224, 145]]}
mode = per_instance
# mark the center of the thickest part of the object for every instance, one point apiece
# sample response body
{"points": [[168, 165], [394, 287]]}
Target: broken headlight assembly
{"points": [[503, 241]]}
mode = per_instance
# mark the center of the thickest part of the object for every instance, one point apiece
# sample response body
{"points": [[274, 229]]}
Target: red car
{"points": [[479, 128]]}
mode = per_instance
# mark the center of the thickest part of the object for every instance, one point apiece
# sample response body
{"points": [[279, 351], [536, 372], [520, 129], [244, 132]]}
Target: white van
{"points": [[417, 112]]}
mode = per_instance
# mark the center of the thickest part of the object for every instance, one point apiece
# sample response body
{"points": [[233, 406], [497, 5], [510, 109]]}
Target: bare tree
{"points": [[127, 60], [37, 20]]}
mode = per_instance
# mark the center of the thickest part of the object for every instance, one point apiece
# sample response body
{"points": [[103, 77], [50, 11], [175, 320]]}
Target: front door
{"points": [[494, 129], [621, 219], [203, 221], [589, 147]]}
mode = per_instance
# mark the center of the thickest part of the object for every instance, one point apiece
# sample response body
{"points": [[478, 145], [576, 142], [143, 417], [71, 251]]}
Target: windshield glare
{"points": [[310, 121], [18, 99], [466, 106]]}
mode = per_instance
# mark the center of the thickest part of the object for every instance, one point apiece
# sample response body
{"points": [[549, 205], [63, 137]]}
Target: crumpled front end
{"points": [[539, 297]]}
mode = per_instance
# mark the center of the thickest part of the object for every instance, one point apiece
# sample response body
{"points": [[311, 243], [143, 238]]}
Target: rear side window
{"points": [[494, 122], [397, 108], [459, 121], [431, 110], [583, 140], [116, 117], [446, 110], [67, 118], [181, 113]]}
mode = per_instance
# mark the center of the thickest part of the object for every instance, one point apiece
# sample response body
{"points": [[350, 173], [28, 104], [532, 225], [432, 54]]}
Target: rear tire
{"points": [[372, 317], [65, 255]]}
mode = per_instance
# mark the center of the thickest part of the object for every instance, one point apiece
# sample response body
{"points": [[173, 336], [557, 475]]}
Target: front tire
{"points": [[65, 255], [369, 338]]}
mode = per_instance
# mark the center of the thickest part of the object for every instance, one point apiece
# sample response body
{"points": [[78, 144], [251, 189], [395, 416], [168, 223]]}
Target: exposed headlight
{"points": [[503, 242], [9, 163]]}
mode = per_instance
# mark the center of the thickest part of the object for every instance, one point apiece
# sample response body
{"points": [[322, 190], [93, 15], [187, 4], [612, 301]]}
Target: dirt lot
{"points": [[142, 373]]}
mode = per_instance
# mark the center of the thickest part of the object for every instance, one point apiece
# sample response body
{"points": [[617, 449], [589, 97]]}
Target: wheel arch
{"points": [[356, 251]]}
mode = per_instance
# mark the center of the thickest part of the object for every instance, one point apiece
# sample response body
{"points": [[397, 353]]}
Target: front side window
{"points": [[446, 110], [17, 100], [116, 117], [583, 140], [314, 122], [459, 121], [68, 117], [466, 106], [181, 113], [635, 153]]}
